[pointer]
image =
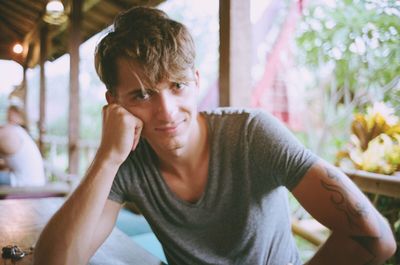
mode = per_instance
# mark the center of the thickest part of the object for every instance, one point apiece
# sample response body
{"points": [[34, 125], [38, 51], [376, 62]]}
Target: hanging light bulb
{"points": [[18, 49], [55, 13], [54, 6]]}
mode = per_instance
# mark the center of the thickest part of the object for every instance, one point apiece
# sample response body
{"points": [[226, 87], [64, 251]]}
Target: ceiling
{"points": [[22, 20]]}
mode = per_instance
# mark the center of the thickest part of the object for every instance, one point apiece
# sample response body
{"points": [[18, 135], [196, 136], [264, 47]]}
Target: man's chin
{"points": [[174, 146], [167, 144]]}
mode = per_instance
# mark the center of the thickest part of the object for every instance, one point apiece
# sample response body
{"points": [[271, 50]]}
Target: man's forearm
{"points": [[360, 234], [355, 250], [67, 237]]}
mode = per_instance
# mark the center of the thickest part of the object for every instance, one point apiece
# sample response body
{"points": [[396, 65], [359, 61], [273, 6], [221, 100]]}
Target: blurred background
{"points": [[330, 70]]}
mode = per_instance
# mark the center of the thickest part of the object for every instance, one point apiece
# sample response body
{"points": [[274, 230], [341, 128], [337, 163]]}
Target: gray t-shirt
{"points": [[243, 215]]}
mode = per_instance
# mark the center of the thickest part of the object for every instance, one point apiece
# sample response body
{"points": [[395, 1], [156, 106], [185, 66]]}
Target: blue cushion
{"points": [[140, 231], [132, 224], [150, 242]]}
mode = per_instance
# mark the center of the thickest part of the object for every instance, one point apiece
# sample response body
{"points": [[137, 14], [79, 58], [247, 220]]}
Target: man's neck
{"points": [[182, 162]]}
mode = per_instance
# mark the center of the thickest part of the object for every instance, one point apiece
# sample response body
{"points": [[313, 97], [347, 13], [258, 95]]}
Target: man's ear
{"points": [[110, 98]]}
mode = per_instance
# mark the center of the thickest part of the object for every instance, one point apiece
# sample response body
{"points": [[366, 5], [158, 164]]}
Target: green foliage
{"points": [[351, 49], [58, 127], [390, 208], [359, 39], [352, 46], [91, 122]]}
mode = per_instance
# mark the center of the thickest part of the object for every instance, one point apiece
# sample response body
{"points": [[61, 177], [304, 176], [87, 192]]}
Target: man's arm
{"points": [[84, 221], [360, 235], [82, 224]]}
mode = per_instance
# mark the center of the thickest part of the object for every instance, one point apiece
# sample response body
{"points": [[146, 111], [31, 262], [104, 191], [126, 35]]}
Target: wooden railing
{"points": [[375, 183], [56, 157]]}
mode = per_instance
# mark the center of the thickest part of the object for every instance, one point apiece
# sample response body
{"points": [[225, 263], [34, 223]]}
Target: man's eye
{"points": [[142, 95], [180, 86]]}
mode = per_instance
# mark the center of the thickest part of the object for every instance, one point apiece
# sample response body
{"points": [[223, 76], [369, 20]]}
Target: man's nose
{"points": [[167, 105]]}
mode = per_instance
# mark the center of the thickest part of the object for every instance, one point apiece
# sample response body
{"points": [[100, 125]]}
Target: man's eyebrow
{"points": [[138, 90]]}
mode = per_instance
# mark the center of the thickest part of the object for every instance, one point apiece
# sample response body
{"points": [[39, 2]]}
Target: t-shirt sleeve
{"points": [[275, 153], [116, 193]]}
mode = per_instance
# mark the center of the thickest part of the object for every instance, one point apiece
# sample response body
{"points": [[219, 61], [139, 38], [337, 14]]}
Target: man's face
{"points": [[168, 110]]}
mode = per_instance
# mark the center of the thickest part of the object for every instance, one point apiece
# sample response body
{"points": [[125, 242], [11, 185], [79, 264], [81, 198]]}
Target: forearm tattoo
{"points": [[353, 211], [341, 199]]}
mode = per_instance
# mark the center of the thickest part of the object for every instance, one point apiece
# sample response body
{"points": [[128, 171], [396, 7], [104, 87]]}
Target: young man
{"points": [[210, 184]]}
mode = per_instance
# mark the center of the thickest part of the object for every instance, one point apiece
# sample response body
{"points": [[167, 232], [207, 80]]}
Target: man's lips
{"points": [[171, 127]]}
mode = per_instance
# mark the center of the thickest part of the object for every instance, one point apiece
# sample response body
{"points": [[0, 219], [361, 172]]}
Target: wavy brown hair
{"points": [[163, 47]]}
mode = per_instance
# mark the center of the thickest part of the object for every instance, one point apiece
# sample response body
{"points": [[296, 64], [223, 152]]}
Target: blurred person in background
{"points": [[17, 116], [21, 163]]}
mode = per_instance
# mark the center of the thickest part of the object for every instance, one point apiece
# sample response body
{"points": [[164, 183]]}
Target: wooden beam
{"points": [[23, 11], [19, 20], [7, 29], [42, 89], [74, 104], [89, 25], [35, 6], [235, 53], [25, 96], [98, 18], [89, 4], [109, 8]]}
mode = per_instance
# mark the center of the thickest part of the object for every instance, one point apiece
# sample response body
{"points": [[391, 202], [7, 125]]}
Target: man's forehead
{"points": [[134, 69], [125, 66]]}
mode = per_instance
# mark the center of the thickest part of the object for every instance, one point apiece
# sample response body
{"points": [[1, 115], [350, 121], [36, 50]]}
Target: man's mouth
{"points": [[170, 127]]}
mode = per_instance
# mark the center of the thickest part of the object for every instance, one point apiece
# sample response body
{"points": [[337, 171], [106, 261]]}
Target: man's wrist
{"points": [[110, 157]]}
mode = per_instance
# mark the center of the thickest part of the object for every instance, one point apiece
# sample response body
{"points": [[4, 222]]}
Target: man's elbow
{"points": [[388, 247], [52, 249], [50, 254]]}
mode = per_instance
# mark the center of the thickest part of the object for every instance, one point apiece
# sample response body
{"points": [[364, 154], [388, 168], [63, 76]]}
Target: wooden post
{"points": [[74, 106], [42, 96], [25, 96], [24, 87], [235, 53]]}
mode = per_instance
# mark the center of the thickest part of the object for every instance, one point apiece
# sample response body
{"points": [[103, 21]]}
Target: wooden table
{"points": [[22, 220], [375, 183], [60, 189]]}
